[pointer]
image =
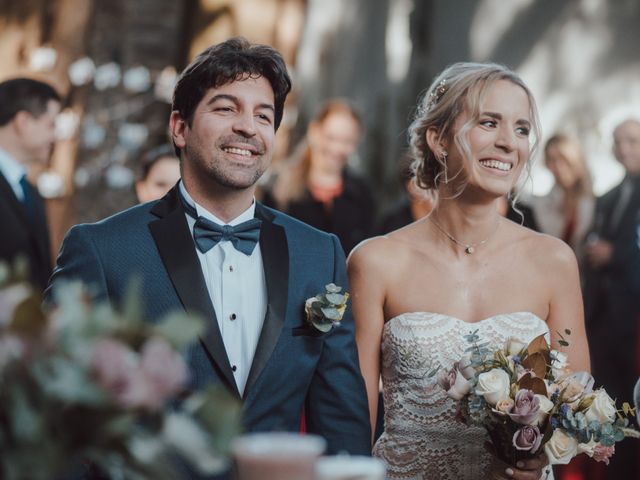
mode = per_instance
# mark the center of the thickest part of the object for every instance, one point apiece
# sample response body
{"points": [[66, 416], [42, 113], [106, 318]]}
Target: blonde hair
{"points": [[291, 181], [584, 184], [461, 86]]}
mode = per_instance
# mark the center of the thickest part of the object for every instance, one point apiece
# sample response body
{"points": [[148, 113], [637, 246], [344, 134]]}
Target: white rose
{"points": [[603, 408], [559, 363], [454, 383], [515, 346], [546, 406], [561, 448], [587, 448], [493, 385], [465, 368]]}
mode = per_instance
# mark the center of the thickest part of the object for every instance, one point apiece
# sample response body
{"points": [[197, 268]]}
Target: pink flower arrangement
{"points": [[146, 380], [97, 386]]}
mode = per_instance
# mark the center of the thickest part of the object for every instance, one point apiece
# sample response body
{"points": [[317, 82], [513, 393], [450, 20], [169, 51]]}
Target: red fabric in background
{"points": [[303, 423], [581, 468]]}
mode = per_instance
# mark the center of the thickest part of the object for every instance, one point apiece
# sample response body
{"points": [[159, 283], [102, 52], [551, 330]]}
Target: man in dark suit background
{"points": [[227, 106], [611, 294], [28, 109]]}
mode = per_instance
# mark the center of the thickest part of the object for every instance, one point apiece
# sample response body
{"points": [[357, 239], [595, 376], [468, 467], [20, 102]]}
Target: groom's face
{"points": [[230, 138]]}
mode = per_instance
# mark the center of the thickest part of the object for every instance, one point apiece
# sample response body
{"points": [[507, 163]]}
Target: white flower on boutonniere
{"points": [[325, 310]]}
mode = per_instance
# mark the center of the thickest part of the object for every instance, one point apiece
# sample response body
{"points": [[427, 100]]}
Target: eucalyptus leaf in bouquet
{"points": [[85, 384]]}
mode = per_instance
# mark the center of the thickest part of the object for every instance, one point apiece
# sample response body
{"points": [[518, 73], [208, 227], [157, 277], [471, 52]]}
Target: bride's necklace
{"points": [[469, 248]]}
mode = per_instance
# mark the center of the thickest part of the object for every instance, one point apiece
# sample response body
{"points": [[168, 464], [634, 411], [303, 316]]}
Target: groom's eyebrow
{"points": [[223, 96], [236, 101]]}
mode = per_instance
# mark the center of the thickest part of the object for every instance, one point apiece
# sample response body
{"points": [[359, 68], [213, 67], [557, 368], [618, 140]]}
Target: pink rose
{"points": [[453, 382], [163, 367], [574, 386], [504, 406], [602, 453], [139, 392], [113, 363], [117, 368], [526, 407], [527, 438]]}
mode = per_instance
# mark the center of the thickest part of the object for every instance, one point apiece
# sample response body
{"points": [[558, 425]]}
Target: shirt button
{"points": [[231, 268], [232, 317], [234, 368]]}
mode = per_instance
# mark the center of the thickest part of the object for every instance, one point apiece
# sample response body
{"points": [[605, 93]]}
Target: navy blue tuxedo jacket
{"points": [[293, 367]]}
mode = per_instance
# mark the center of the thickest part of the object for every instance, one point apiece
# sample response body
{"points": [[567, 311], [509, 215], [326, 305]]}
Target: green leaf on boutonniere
{"points": [[325, 310], [333, 288], [332, 314], [323, 327], [335, 298]]}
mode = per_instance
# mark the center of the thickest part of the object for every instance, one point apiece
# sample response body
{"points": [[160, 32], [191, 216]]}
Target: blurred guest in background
{"points": [[160, 170], [28, 109], [317, 187], [611, 301], [567, 211], [414, 204]]}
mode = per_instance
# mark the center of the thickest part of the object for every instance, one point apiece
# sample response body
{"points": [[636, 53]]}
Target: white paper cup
{"points": [[277, 456], [345, 467]]}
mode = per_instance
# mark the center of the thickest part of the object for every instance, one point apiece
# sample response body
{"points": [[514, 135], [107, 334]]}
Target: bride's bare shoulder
{"points": [[550, 253], [380, 254]]}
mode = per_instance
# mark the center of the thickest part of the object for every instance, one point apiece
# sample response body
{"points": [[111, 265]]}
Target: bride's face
{"points": [[498, 140]]}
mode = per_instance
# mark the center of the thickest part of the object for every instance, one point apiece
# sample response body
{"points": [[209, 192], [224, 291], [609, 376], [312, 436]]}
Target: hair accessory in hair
{"points": [[437, 93]]}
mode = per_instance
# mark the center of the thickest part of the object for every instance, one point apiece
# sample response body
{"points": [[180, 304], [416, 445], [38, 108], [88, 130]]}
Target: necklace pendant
{"points": [[469, 249]]}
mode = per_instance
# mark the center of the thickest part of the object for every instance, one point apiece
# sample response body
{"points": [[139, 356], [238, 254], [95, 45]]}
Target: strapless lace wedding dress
{"points": [[422, 439]]}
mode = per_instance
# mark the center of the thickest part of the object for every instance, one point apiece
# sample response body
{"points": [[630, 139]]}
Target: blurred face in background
{"points": [[333, 140], [626, 146], [163, 175], [38, 133], [564, 161]]}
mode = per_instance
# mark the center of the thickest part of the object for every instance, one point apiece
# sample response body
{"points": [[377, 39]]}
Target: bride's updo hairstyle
{"points": [[460, 86]]}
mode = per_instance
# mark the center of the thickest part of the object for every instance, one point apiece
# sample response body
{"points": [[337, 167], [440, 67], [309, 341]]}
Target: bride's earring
{"points": [[444, 161]]}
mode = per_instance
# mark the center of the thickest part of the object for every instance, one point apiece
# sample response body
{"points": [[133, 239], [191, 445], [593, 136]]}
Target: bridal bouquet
{"points": [[84, 386], [529, 401]]}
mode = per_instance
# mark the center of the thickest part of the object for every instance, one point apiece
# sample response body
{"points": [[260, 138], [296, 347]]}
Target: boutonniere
{"points": [[325, 310]]}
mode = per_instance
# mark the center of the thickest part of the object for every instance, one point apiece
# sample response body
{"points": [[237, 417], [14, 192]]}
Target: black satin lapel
{"points": [[275, 259], [177, 252]]}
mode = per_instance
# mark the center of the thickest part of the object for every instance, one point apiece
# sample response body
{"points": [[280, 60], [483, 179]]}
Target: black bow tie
{"points": [[208, 234]]}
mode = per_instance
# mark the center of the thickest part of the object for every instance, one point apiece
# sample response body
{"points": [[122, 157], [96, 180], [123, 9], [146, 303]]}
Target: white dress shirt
{"points": [[13, 171], [238, 292]]}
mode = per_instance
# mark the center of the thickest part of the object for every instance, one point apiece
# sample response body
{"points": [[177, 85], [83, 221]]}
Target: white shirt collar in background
{"points": [[13, 171]]}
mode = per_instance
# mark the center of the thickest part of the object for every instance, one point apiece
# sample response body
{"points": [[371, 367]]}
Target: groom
{"points": [[210, 248]]}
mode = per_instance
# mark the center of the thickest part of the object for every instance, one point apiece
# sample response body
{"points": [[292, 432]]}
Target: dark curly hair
{"points": [[227, 62]]}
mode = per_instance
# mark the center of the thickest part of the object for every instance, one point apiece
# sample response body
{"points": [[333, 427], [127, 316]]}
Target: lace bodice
{"points": [[422, 439]]}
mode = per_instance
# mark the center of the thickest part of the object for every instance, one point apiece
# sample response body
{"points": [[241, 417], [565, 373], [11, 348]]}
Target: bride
{"points": [[418, 290]]}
